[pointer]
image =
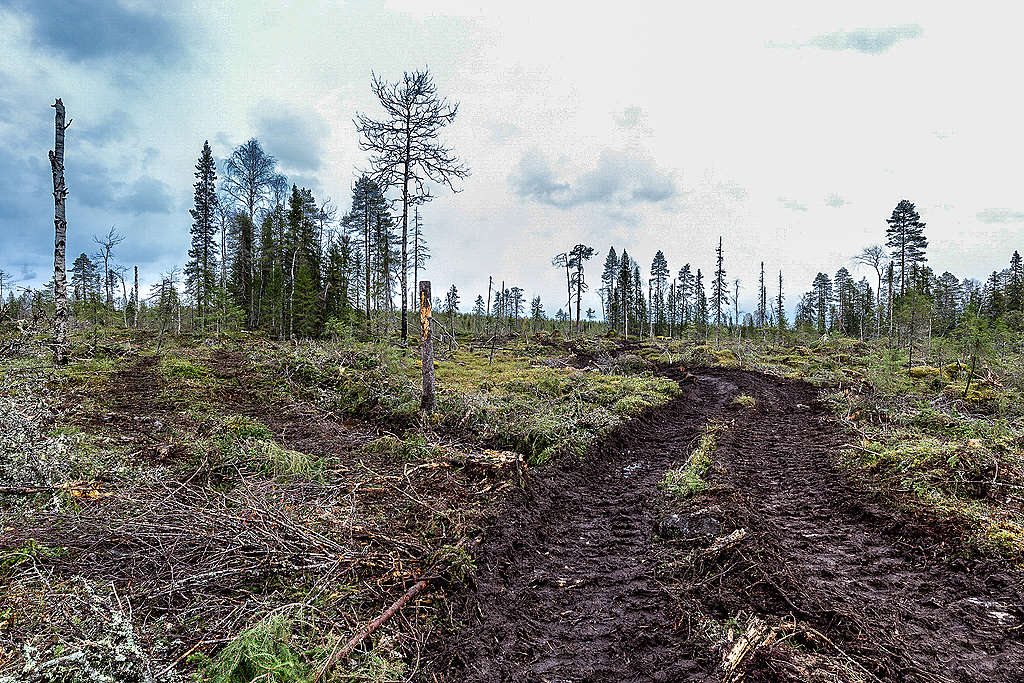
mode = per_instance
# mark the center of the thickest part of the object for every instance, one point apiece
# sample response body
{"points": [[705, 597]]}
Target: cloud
{"points": [[1000, 216], [296, 139], [89, 30], [835, 201], [112, 128], [872, 41], [96, 187], [792, 204], [502, 131], [147, 195], [619, 178]]}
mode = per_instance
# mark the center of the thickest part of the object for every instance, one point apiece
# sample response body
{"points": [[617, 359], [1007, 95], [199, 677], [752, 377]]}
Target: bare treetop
{"points": [[410, 134], [250, 174]]}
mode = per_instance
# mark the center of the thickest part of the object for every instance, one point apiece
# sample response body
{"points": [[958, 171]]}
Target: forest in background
{"points": [[266, 395]]}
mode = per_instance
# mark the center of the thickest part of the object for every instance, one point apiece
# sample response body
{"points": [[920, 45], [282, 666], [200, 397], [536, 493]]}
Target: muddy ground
{"points": [[576, 584]]}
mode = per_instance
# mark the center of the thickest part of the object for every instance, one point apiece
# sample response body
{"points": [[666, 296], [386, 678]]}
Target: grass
{"points": [[689, 479], [744, 401], [254, 441], [920, 442], [518, 400]]}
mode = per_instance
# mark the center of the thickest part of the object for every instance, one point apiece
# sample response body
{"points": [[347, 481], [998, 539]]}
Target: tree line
{"points": [[267, 255]]}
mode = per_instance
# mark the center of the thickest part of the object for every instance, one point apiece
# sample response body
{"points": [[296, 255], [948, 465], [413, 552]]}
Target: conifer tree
{"points": [[608, 277], [201, 269], [905, 236], [406, 151], [762, 300], [1015, 284], [659, 279], [700, 305], [576, 257], [719, 291], [624, 293], [686, 288], [780, 312]]}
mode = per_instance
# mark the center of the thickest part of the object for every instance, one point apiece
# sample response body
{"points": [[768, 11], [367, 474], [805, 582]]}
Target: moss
{"points": [[923, 372], [239, 427], [182, 368], [726, 358]]}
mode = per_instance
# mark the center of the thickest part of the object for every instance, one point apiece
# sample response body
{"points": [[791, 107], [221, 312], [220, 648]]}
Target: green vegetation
{"points": [[744, 401], [689, 479], [265, 651]]}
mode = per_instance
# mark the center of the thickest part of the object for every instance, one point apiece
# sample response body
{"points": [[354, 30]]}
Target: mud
{"points": [[572, 582]]}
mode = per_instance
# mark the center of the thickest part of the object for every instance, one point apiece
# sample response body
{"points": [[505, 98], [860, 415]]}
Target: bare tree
{"points": [[250, 176], [406, 151], [875, 256], [60, 195], [105, 253]]}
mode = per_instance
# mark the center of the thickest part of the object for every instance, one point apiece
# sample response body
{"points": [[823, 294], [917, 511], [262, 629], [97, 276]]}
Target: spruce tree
{"points": [[625, 291], [762, 300], [659, 279], [1015, 285], [201, 269], [608, 277], [719, 291], [686, 284], [700, 305]]}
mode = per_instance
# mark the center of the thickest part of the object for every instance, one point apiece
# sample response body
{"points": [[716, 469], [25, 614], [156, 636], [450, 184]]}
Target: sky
{"points": [[791, 130]]}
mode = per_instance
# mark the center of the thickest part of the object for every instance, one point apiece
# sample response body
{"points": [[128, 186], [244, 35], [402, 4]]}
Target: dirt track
{"points": [[571, 583]]}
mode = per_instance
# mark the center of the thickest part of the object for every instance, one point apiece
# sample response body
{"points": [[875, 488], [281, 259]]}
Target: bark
{"points": [[429, 400], [405, 240], [135, 296], [60, 193]]}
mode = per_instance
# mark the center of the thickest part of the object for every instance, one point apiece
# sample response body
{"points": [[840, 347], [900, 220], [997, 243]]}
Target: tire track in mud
{"points": [[874, 580], [566, 588]]}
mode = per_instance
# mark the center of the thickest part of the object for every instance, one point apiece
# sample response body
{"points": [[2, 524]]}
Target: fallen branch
{"points": [[370, 628]]}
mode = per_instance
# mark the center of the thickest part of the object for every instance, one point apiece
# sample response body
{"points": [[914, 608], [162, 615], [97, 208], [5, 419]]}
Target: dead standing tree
{"points": [[60, 195], [405, 150]]}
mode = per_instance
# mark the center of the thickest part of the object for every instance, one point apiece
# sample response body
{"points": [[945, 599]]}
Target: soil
{"points": [[574, 584]]}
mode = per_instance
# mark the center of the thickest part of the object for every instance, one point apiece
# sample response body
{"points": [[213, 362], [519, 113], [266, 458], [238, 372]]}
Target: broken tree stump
{"points": [[429, 399]]}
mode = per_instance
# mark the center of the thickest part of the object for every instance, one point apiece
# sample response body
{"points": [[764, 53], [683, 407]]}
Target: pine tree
{"points": [[905, 236], [201, 269], [576, 257], [361, 224]]}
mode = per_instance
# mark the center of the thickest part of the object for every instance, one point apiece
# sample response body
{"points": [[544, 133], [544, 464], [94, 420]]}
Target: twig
{"points": [[370, 628]]}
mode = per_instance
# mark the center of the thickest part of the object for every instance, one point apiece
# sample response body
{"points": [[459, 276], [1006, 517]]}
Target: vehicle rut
{"points": [[569, 587]]}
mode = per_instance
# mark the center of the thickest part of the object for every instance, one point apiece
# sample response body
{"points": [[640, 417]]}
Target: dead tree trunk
{"points": [[135, 296], [429, 400], [60, 194]]}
